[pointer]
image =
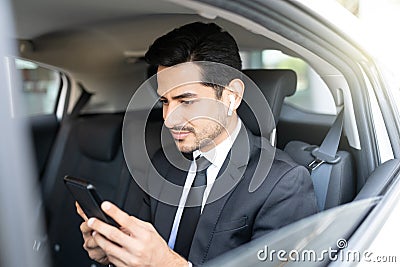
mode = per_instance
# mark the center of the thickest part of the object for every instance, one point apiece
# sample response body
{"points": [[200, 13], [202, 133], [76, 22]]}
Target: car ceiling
{"points": [[34, 18], [144, 19]]}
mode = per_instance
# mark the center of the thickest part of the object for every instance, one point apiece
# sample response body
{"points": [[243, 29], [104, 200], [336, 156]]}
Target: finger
{"points": [[117, 262], [90, 243], [115, 254], [85, 229], [96, 253], [99, 256], [110, 248], [120, 261], [108, 231], [80, 211], [122, 218]]}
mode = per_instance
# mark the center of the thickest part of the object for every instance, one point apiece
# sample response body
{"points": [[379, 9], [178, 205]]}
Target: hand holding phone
{"points": [[89, 200]]}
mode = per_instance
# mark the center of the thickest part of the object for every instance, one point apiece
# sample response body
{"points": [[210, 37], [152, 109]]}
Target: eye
{"points": [[187, 102], [164, 101]]}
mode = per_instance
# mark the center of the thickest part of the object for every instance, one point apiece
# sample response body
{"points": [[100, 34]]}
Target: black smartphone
{"points": [[88, 198]]}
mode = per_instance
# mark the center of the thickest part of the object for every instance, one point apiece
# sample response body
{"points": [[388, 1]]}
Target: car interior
{"points": [[84, 60]]}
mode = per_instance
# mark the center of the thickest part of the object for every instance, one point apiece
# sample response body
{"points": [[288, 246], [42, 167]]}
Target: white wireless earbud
{"points": [[231, 105]]}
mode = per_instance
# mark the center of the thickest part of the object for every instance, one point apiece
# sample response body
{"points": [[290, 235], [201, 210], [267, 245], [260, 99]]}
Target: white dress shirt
{"points": [[216, 156]]}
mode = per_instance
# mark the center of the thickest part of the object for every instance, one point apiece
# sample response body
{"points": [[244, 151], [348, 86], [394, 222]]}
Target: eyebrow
{"points": [[184, 95]]}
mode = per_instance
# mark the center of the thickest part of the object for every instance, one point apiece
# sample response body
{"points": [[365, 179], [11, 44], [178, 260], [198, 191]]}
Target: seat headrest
{"points": [[99, 138], [275, 85]]}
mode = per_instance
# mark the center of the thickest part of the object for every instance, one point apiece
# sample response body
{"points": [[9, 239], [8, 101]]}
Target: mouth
{"points": [[179, 135]]}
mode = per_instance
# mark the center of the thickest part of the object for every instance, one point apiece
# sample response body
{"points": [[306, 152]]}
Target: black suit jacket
{"points": [[283, 195]]}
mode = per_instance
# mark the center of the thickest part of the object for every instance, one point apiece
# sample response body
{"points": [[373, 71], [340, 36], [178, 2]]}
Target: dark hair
{"points": [[198, 42]]}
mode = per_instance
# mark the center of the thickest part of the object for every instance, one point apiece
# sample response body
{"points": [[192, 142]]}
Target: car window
{"points": [[312, 94], [40, 87]]}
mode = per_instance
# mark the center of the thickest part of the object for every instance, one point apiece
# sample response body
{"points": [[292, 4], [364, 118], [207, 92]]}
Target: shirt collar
{"points": [[218, 154]]}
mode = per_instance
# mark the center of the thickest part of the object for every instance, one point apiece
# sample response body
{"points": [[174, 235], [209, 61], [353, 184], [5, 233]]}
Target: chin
{"points": [[185, 148]]}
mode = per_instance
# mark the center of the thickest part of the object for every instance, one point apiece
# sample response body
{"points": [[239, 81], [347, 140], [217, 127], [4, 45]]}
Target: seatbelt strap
{"points": [[326, 153], [83, 99], [49, 178]]}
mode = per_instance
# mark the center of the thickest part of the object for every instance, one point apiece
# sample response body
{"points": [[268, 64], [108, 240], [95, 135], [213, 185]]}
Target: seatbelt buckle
{"points": [[321, 158], [315, 164]]}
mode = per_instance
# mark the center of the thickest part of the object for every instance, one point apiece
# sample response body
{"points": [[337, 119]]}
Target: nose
{"points": [[173, 116]]}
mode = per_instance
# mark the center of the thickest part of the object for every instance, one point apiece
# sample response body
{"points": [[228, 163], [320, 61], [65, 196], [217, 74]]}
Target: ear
{"points": [[236, 88]]}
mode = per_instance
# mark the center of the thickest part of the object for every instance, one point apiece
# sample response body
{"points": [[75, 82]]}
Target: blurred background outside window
{"points": [[40, 87], [379, 17]]}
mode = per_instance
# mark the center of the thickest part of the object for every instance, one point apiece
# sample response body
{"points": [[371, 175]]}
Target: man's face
{"points": [[191, 111]]}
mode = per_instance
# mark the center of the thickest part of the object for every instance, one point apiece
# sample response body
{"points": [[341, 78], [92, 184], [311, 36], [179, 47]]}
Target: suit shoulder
{"points": [[285, 165], [280, 156], [278, 162], [282, 163], [284, 157]]}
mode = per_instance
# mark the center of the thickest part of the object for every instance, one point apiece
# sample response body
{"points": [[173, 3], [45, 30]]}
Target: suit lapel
{"points": [[228, 178]]}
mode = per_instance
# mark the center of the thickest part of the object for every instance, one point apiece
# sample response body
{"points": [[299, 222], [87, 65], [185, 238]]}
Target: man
{"points": [[199, 108]]}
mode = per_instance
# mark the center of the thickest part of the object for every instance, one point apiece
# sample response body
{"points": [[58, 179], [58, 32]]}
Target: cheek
{"points": [[204, 126], [199, 124]]}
